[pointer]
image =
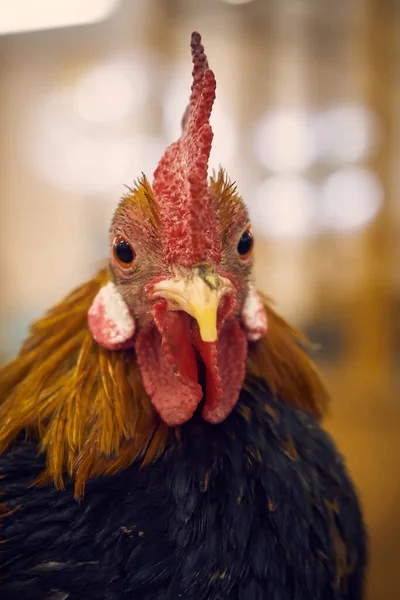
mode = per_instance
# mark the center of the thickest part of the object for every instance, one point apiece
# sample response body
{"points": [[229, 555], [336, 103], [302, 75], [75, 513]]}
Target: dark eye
{"points": [[246, 243], [123, 251]]}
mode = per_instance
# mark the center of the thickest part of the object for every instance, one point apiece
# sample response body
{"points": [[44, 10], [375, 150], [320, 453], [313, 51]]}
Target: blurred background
{"points": [[307, 123]]}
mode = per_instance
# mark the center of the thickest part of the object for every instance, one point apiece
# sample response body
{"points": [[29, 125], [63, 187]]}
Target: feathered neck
{"points": [[87, 407]]}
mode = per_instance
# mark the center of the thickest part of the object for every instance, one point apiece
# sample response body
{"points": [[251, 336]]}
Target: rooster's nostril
{"points": [[203, 268]]}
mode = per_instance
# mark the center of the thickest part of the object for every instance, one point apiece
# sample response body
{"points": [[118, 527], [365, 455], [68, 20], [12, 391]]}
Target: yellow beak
{"points": [[197, 292]]}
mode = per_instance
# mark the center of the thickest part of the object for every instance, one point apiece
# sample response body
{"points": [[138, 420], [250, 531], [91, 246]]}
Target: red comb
{"points": [[181, 179]]}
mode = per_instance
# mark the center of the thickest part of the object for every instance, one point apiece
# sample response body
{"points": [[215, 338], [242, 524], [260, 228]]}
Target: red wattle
{"points": [[166, 355], [225, 364], [168, 365]]}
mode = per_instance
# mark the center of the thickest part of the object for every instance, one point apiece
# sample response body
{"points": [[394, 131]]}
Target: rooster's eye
{"points": [[245, 245], [123, 252]]}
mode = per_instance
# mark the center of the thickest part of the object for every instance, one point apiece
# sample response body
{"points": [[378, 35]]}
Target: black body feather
{"points": [[257, 508]]}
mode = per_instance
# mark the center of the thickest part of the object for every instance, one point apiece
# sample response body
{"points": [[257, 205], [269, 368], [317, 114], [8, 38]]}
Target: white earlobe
{"points": [[254, 316], [109, 319]]}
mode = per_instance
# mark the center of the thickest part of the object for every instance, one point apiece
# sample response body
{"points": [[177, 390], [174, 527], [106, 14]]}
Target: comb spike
{"points": [[200, 63], [181, 179]]}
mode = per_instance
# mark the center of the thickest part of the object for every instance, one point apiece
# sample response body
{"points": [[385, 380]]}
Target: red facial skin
{"points": [[182, 222], [166, 341]]}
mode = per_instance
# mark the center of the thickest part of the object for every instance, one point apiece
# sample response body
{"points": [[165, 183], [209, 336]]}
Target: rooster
{"points": [[159, 428]]}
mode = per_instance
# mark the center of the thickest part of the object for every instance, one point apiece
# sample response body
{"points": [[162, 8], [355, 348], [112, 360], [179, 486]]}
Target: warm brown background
{"points": [[84, 109]]}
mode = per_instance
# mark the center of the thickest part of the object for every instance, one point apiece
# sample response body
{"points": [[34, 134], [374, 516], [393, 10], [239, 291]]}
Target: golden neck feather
{"points": [[87, 407]]}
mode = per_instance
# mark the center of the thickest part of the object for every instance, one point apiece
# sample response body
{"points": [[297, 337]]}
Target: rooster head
{"points": [[180, 290]]}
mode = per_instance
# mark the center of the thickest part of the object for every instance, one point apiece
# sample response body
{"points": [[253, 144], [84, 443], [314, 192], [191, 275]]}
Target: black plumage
{"points": [[259, 507]]}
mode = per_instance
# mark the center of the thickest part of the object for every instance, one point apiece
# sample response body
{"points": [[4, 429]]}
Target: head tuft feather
{"points": [[180, 184]]}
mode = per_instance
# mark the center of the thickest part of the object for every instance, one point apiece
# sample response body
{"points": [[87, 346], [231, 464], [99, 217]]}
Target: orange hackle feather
{"points": [[280, 360], [87, 406]]}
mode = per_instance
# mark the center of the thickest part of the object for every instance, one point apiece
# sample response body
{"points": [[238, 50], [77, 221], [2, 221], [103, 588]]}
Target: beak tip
{"points": [[208, 337], [207, 323]]}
